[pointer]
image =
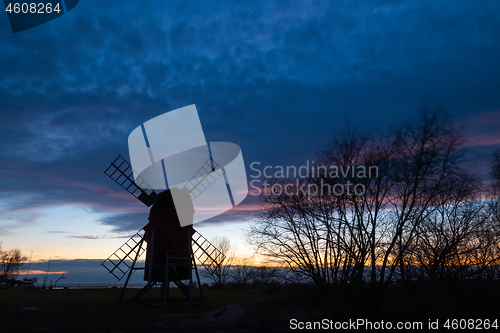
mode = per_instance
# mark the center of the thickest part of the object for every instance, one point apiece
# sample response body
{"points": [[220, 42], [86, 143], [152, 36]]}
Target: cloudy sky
{"points": [[278, 78]]}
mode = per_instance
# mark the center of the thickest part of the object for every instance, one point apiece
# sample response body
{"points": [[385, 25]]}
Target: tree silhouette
{"points": [[10, 263], [223, 263], [422, 216]]}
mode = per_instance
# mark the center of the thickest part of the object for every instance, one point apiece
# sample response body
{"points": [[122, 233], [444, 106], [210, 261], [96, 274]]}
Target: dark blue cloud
{"points": [[275, 77], [126, 221]]}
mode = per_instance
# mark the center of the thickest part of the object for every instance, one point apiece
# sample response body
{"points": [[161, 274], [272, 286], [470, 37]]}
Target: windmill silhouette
{"points": [[174, 144], [172, 250]]}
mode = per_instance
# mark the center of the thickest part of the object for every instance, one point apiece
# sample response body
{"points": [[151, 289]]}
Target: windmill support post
{"points": [[132, 268], [166, 283], [197, 275], [191, 270], [172, 262], [150, 268]]}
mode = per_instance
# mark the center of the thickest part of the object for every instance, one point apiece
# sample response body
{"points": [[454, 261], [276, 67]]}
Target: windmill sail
{"points": [[123, 259], [206, 253], [123, 174], [208, 174]]}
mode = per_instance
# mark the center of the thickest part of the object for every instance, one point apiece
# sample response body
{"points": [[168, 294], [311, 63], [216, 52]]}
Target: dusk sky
{"points": [[277, 78]]}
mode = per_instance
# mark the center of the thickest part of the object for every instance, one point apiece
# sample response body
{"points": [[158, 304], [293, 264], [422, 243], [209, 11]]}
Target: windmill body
{"points": [[170, 238]]}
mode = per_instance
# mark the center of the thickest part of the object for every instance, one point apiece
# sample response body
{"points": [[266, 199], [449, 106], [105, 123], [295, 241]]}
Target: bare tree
{"points": [[222, 263], [294, 228], [243, 271], [265, 274], [491, 234], [333, 237], [460, 238], [495, 188], [10, 263], [452, 237], [495, 172]]}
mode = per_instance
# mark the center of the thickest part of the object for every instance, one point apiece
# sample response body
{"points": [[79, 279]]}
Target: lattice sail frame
{"points": [[121, 172], [206, 253], [122, 260], [208, 174]]}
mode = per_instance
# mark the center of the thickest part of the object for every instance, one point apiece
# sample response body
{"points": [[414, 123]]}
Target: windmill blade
{"points": [[122, 173], [206, 253], [208, 174], [120, 262]]}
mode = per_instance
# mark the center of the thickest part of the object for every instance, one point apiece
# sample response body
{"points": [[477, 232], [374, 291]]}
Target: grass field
{"points": [[98, 310], [269, 308]]}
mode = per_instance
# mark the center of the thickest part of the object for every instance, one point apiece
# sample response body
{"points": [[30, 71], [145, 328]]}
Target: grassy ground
{"points": [[269, 308], [99, 309]]}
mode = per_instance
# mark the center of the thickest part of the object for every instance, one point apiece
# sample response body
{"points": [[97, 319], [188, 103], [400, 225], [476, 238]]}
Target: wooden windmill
{"points": [[172, 251]]}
